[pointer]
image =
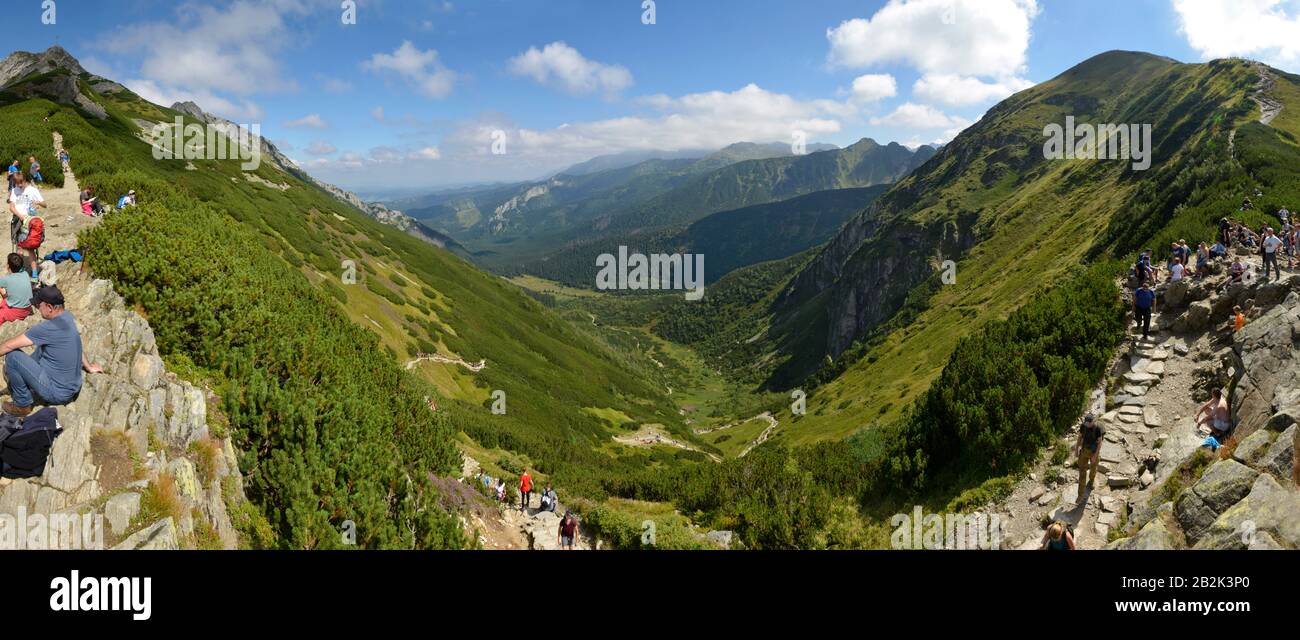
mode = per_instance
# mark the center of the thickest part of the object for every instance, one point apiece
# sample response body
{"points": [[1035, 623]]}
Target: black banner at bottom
{"points": [[340, 590]]}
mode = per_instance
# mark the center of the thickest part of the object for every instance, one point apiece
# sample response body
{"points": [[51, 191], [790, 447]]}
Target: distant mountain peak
{"points": [[21, 64]]}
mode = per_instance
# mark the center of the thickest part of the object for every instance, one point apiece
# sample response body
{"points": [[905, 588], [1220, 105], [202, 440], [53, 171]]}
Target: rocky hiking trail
{"points": [[1246, 495], [137, 447]]}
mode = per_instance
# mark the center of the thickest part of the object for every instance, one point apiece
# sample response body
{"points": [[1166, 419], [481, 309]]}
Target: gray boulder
{"points": [[1269, 507]]}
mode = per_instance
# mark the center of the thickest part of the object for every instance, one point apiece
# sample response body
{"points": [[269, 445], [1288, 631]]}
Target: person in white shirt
{"points": [[1272, 244], [24, 200], [1176, 271]]}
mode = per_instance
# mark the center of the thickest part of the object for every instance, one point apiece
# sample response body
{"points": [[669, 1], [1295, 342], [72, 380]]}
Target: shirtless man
{"points": [[1216, 414]]}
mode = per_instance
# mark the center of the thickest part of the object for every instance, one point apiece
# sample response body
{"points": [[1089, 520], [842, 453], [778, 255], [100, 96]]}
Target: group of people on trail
{"points": [[52, 374], [567, 533]]}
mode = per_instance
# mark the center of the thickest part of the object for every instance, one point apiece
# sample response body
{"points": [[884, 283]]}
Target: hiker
{"points": [[525, 491], [1144, 304], [1238, 319], [1088, 452], [1058, 538], [13, 170], [1176, 270], [1272, 245], [52, 374], [1143, 269], [127, 200], [1237, 270], [1202, 259], [16, 287], [90, 203], [501, 490], [24, 200], [1218, 250], [1283, 215], [1225, 232], [1246, 204], [64, 158], [1217, 415], [549, 499], [567, 534], [34, 168]]}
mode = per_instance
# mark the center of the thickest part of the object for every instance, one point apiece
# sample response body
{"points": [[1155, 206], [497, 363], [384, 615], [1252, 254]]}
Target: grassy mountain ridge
{"points": [[1011, 220], [729, 240]]}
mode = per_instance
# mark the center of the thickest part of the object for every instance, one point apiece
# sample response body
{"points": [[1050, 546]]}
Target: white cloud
{"points": [[425, 153], [378, 113], [873, 88], [321, 148], [420, 68], [696, 121], [918, 116], [243, 111], [309, 121], [561, 66], [962, 91], [209, 53], [1265, 29], [964, 37]]}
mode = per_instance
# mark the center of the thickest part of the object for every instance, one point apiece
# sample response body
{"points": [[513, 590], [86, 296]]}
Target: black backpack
{"points": [[25, 450]]}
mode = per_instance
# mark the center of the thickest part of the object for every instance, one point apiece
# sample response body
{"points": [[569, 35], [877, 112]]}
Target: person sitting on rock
{"points": [[1217, 414], [1088, 453], [52, 373], [1202, 259], [1238, 271], [1218, 250], [16, 289], [1176, 270], [1058, 538], [1238, 319]]}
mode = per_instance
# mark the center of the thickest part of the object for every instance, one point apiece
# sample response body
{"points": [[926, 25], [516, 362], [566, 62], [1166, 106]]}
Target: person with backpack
{"points": [[16, 288], [525, 491], [24, 201], [1088, 452], [127, 200], [34, 168], [1058, 537], [1144, 304], [52, 373], [567, 533]]}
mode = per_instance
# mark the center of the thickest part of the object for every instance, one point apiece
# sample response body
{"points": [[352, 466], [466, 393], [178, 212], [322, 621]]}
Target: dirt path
{"points": [[652, 434], [447, 360], [63, 217]]}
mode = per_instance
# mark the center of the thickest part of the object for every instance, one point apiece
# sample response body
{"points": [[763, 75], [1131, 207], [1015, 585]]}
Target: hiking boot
{"points": [[15, 410]]}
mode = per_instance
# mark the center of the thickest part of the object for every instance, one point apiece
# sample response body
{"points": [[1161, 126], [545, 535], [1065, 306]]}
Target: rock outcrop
{"points": [[138, 447]]}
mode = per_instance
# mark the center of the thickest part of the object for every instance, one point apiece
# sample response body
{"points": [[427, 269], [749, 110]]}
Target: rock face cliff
{"points": [[140, 446]]}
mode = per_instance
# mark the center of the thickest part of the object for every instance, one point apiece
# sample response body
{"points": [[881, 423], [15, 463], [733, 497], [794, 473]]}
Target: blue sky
{"points": [[411, 95]]}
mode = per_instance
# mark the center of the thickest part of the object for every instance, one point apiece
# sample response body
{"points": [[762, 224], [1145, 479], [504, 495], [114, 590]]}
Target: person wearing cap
{"points": [[1088, 451], [127, 200], [52, 373]]}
